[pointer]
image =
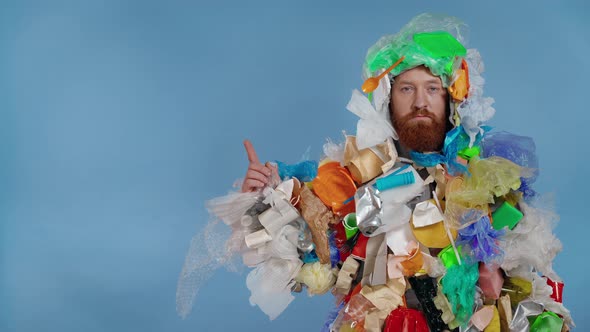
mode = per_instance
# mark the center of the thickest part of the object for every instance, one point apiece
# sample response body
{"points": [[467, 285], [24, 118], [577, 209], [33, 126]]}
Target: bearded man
{"points": [[415, 214]]}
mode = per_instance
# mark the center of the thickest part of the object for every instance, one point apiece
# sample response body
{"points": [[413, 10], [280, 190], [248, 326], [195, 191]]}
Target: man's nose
{"points": [[420, 101]]}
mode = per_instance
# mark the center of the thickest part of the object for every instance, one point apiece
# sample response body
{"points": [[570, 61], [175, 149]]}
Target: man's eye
{"points": [[433, 89], [406, 89]]}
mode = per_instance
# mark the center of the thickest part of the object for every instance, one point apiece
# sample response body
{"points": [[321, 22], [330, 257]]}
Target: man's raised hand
{"points": [[258, 175]]}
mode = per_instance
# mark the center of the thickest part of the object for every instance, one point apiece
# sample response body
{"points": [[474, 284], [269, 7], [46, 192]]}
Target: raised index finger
{"points": [[252, 157]]}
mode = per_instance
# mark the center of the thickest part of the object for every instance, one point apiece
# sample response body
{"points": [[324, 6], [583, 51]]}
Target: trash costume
{"points": [[405, 241]]}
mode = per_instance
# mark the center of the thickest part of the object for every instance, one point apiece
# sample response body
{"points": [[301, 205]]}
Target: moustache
{"points": [[421, 112]]}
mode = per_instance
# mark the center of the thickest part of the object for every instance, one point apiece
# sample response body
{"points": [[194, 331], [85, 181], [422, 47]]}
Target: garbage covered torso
{"points": [[407, 240], [441, 250]]}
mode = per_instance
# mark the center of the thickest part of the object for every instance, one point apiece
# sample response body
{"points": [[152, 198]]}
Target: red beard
{"points": [[420, 135]]}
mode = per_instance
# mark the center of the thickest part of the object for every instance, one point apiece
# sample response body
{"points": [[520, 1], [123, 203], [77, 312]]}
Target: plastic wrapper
{"points": [[532, 242], [480, 242], [495, 175], [334, 151], [477, 109], [458, 285], [270, 285], [521, 150]]}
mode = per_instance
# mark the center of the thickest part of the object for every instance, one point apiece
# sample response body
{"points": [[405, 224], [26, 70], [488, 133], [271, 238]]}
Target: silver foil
{"points": [[520, 322], [368, 209]]}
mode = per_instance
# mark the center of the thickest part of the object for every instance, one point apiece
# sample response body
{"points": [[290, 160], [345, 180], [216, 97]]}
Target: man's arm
{"points": [[257, 175]]}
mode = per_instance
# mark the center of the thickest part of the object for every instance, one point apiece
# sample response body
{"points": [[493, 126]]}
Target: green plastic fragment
{"points": [[469, 153], [440, 44], [506, 215], [448, 257], [350, 226], [547, 322]]}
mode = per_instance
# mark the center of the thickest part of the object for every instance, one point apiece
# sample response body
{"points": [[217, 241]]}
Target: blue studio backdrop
{"points": [[119, 119]]}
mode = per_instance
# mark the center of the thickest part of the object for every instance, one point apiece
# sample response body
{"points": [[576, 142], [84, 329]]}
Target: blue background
{"points": [[119, 119]]}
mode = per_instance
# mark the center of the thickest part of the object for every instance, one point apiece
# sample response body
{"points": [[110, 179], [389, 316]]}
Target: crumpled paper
{"points": [[318, 217]]}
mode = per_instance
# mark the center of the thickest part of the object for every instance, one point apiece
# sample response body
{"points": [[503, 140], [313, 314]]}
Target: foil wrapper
{"points": [[368, 210]]}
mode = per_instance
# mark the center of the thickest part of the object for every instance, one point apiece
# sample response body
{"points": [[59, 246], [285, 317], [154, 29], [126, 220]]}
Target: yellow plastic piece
{"points": [[460, 88], [494, 325], [433, 236], [518, 289]]}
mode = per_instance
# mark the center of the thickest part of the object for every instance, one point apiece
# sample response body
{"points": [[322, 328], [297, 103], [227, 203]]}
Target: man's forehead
{"points": [[419, 74]]}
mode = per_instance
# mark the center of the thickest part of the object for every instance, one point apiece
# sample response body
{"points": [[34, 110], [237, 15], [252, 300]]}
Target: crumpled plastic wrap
{"points": [[542, 294], [495, 176], [373, 127], [532, 242], [481, 240], [518, 149], [212, 247], [334, 151], [270, 285], [489, 178], [477, 109]]}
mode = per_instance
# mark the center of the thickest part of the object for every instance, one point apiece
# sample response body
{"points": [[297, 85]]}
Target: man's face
{"points": [[418, 109]]}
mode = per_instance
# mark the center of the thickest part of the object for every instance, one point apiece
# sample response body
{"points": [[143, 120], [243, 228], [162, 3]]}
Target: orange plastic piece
{"points": [[414, 263], [372, 83], [334, 186], [460, 88]]}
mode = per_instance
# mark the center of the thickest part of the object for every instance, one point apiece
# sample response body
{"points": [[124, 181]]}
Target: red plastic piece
{"points": [[405, 320], [557, 290], [360, 248]]}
